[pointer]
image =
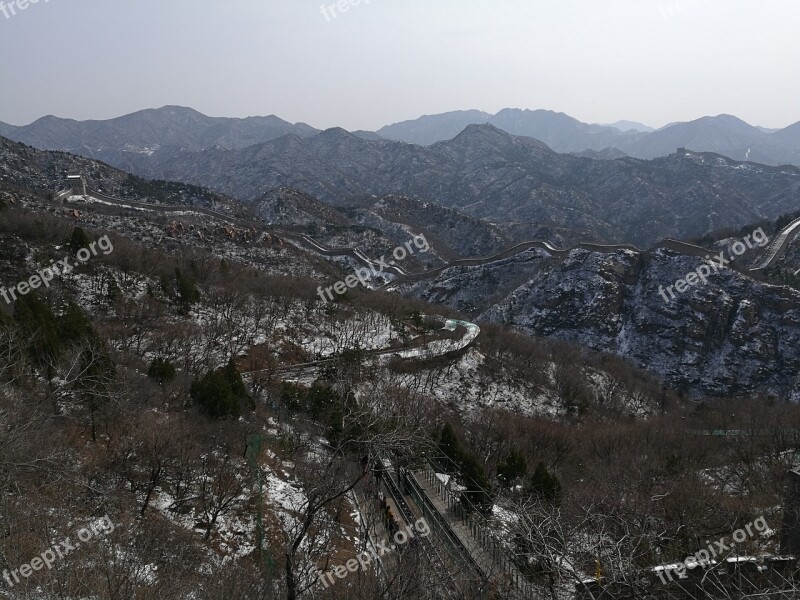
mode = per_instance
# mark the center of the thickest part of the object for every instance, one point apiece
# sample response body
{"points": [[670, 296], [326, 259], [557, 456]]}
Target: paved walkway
{"points": [[502, 572], [481, 557]]}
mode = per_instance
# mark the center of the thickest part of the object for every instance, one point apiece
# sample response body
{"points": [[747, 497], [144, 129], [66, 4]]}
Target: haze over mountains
{"points": [[723, 134], [487, 173], [553, 171], [149, 129], [174, 126]]}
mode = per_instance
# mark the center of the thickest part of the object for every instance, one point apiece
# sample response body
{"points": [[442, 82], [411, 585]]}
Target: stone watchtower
{"points": [[77, 183]]}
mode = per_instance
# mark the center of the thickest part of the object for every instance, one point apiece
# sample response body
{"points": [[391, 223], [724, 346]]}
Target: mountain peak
{"points": [[489, 134], [626, 126], [725, 120], [483, 130], [336, 133], [537, 114], [171, 110], [49, 119]]}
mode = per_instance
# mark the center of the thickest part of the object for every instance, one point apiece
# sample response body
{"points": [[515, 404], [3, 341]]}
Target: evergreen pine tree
{"points": [[161, 370], [78, 240], [545, 485], [513, 467]]}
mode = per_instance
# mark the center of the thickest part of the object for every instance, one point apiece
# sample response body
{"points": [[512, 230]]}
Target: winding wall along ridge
{"points": [[773, 252]]}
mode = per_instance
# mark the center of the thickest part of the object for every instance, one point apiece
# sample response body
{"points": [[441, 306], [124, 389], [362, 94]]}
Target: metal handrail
{"points": [[454, 542], [478, 528], [397, 496]]}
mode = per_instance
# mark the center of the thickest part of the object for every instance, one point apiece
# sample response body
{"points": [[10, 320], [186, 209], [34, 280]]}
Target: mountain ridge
{"points": [[184, 127], [724, 134], [150, 128], [490, 174]]}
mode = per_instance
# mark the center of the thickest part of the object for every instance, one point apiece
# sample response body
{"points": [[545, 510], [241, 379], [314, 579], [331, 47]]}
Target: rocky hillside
{"points": [[734, 336], [165, 388], [452, 233], [609, 303], [489, 174], [44, 172]]}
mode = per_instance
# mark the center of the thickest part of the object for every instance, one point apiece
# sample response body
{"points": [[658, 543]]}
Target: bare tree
{"points": [[377, 419], [220, 488]]}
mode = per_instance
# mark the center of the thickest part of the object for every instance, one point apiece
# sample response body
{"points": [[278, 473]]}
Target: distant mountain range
{"points": [[174, 127], [149, 130], [724, 134], [590, 184], [631, 125], [489, 174]]}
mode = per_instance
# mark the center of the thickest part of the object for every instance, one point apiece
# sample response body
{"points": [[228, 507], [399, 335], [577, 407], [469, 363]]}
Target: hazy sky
{"points": [[654, 61]]}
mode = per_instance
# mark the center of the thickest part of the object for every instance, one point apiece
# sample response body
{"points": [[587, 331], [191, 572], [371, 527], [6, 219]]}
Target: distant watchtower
{"points": [[77, 182]]}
